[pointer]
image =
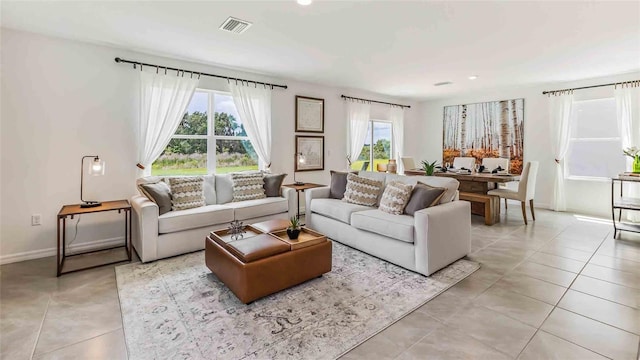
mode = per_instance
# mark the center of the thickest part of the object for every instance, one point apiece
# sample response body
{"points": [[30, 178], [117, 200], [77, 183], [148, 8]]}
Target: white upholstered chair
{"points": [[464, 162], [493, 163], [526, 189], [408, 163]]}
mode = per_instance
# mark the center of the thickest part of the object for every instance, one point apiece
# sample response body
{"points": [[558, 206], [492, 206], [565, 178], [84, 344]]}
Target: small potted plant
{"points": [[429, 167], [634, 153], [293, 231]]}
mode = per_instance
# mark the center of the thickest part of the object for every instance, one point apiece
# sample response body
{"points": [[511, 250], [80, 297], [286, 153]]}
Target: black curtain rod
{"points": [[374, 101], [121, 60], [589, 87]]}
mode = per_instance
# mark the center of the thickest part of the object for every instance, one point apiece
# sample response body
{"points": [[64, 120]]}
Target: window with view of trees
{"points": [[379, 134], [191, 149]]}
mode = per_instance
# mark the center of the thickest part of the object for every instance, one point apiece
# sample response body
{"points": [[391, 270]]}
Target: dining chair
{"points": [[365, 165], [381, 167], [408, 163], [493, 163], [526, 189], [464, 162]]}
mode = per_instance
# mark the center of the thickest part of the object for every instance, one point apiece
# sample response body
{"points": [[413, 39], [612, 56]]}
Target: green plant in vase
{"points": [[293, 231], [428, 167], [634, 153]]}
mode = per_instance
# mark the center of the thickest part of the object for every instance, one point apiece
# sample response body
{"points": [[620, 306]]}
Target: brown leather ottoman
{"points": [[262, 265]]}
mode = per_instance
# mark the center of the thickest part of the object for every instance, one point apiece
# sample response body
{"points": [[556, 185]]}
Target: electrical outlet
{"points": [[36, 219]]}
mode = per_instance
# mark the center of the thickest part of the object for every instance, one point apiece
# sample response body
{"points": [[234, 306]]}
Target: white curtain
{"points": [[628, 113], [560, 116], [163, 102], [254, 107], [396, 115], [358, 121]]}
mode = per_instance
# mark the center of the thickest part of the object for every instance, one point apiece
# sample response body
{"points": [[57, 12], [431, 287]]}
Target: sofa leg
{"points": [[533, 213], [524, 212], [505, 204]]}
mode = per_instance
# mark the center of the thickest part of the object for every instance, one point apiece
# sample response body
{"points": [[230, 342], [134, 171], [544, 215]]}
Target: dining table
{"points": [[474, 188]]}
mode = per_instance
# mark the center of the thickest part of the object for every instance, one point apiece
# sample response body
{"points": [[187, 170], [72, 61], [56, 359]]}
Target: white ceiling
{"points": [[389, 47]]}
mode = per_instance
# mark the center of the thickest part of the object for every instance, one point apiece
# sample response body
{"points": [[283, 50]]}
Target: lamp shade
{"points": [[97, 167]]}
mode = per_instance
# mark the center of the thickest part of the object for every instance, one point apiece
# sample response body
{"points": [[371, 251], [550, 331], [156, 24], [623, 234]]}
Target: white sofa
{"points": [[425, 243], [178, 232]]}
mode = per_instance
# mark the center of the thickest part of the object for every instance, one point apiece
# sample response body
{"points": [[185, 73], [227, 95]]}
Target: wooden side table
{"points": [[73, 210], [302, 188]]}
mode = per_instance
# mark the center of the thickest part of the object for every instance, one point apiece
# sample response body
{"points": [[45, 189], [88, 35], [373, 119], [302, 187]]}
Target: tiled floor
{"points": [[559, 288]]}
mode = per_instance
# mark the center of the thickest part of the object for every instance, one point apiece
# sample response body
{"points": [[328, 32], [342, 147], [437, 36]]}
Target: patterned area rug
{"points": [[176, 308]]}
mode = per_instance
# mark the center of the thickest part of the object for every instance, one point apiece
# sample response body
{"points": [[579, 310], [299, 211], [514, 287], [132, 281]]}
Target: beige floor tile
{"points": [[474, 284], [615, 276], [523, 308], [558, 262], [616, 263], [500, 260], [494, 329], [623, 249], [110, 346], [444, 306], [603, 339], [401, 335], [586, 245], [546, 273], [545, 346], [606, 290], [532, 287], [555, 249], [446, 343], [608, 312]]}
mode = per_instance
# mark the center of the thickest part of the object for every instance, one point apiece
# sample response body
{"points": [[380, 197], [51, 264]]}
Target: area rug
{"points": [[177, 309]]}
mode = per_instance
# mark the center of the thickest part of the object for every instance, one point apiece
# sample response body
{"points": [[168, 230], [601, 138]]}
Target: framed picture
{"points": [[310, 150], [309, 114]]}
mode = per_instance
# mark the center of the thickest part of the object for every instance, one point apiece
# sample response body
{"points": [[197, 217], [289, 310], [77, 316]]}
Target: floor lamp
{"points": [[96, 168], [299, 159]]}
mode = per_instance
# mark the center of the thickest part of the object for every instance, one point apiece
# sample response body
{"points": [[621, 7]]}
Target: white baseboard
{"points": [[85, 246]]}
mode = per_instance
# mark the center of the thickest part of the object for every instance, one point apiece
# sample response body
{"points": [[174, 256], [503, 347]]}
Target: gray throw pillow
{"points": [[338, 184], [272, 184], [422, 197], [160, 194]]}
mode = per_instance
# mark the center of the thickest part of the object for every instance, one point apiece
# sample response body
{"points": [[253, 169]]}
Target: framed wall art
{"points": [[493, 129], [309, 114], [310, 151]]}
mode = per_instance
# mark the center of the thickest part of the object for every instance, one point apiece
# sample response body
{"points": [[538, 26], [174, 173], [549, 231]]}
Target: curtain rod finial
{"points": [[118, 59]]}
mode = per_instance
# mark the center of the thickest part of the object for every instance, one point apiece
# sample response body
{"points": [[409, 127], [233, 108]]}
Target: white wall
{"points": [[63, 99], [587, 197]]}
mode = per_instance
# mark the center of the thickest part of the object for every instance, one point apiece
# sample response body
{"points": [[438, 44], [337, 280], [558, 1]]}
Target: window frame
{"points": [[211, 137], [565, 170]]}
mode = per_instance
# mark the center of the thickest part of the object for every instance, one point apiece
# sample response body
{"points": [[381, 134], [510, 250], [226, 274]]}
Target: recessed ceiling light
{"points": [[443, 83], [473, 77], [304, 2]]}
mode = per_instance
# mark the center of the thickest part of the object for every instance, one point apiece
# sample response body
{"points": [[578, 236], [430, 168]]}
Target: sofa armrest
{"points": [[292, 200], [443, 235], [310, 194], [145, 227]]}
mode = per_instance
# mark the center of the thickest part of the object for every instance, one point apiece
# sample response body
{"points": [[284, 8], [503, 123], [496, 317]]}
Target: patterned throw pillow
{"points": [[362, 191], [186, 192], [248, 186], [395, 197]]}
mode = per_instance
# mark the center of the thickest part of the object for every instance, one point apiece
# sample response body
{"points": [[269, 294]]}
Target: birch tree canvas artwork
{"points": [[489, 129]]}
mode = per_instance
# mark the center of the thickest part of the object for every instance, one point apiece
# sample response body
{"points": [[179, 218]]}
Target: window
{"points": [[595, 146], [191, 149], [380, 152]]}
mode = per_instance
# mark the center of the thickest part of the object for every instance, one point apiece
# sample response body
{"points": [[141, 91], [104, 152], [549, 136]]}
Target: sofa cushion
{"points": [[248, 186], [338, 184], [362, 191], [159, 193], [422, 197], [336, 209], [399, 227], [209, 189], [224, 188], [435, 181], [395, 197], [194, 218], [250, 209], [272, 184], [186, 192]]}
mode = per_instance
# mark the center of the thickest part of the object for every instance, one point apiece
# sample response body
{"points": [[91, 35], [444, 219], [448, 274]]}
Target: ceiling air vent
{"points": [[234, 25], [443, 83]]}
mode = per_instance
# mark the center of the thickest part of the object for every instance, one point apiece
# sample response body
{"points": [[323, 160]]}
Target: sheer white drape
{"points": [[163, 102], [560, 117], [358, 121], [396, 115], [254, 107], [628, 113]]}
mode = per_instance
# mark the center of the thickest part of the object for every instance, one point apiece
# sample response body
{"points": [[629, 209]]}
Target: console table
{"points": [[75, 210], [623, 203]]}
